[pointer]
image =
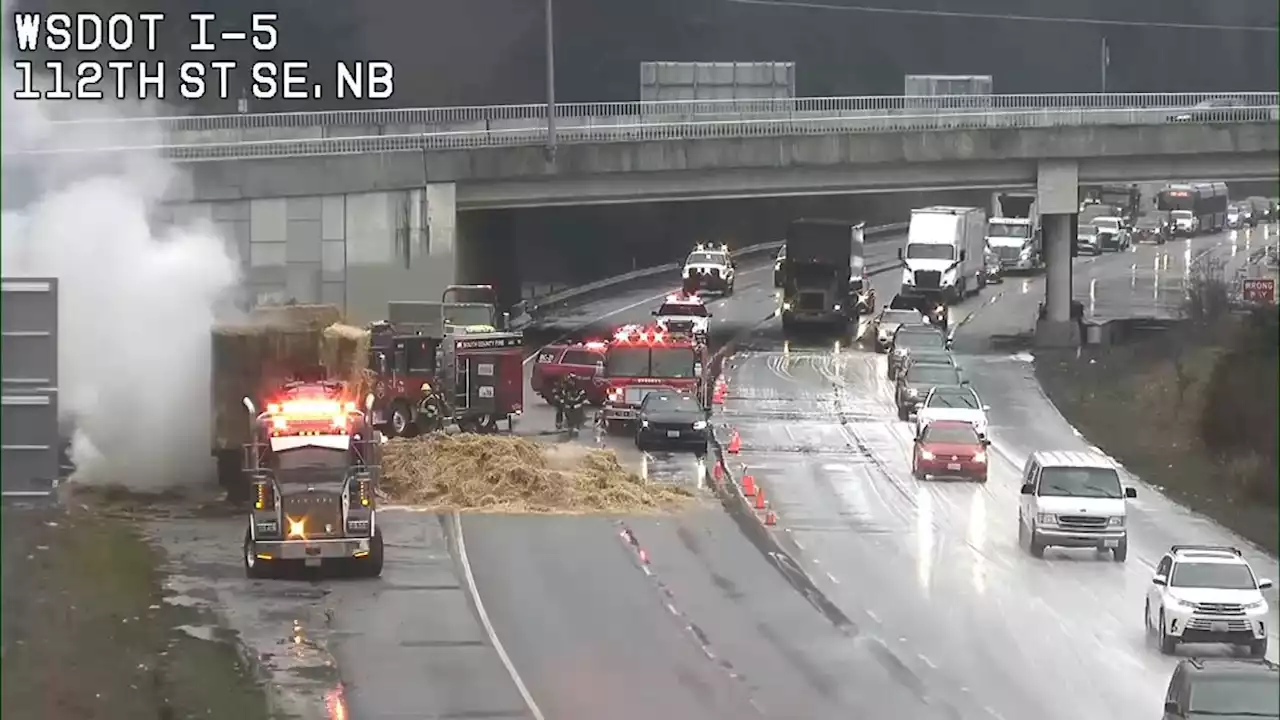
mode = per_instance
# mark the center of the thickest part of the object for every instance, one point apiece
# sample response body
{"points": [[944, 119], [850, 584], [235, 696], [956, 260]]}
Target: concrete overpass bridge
{"points": [[339, 193]]}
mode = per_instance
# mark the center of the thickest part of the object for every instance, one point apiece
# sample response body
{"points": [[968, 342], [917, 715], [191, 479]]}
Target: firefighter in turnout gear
{"points": [[567, 392]]}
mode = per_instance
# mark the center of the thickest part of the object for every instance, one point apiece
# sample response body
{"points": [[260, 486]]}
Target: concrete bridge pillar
{"points": [[400, 245], [1057, 193]]}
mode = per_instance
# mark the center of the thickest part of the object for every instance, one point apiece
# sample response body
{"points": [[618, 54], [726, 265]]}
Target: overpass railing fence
{"points": [[866, 122], [183, 130]]}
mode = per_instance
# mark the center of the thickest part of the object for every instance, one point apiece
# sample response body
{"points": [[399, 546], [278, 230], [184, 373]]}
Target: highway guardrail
{"points": [[649, 130], [391, 121], [530, 311]]}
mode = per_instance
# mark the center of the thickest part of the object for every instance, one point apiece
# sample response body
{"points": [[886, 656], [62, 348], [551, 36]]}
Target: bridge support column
{"points": [[1057, 193]]}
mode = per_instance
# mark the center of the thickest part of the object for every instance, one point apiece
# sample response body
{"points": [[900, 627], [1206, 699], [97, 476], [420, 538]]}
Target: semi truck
{"points": [[292, 438], [1125, 199], [1013, 232], [823, 274], [944, 258]]}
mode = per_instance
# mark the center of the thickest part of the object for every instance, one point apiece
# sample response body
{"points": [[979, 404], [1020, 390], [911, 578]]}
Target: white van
{"points": [[1073, 499]]}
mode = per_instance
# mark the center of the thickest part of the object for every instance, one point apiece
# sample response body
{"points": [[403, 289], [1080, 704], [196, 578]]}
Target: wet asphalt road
{"points": [[949, 618]]}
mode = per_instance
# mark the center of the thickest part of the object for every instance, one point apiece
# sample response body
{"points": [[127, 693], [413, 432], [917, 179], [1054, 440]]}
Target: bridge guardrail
{"points": [[658, 131], [533, 309], [492, 117]]}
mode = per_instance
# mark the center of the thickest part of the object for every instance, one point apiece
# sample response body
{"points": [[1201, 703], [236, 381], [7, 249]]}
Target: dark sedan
{"points": [[916, 382], [911, 338], [668, 418]]}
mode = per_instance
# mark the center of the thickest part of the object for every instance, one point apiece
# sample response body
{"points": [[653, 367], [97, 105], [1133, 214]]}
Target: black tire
{"points": [[401, 423], [1035, 547], [370, 566], [1168, 644], [254, 569], [1120, 552]]}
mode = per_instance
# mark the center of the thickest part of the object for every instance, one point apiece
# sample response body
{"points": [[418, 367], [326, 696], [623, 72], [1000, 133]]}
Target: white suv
{"points": [[683, 314], [708, 269], [1207, 594]]}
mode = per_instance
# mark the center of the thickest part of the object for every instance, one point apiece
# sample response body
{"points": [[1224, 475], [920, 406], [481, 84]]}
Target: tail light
{"points": [[264, 496]]}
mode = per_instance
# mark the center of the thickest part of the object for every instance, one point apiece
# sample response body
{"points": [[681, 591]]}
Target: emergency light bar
{"points": [[309, 417], [703, 247]]}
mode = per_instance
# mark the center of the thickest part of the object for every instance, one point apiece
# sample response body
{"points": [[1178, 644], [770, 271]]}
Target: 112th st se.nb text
{"points": [[194, 80]]}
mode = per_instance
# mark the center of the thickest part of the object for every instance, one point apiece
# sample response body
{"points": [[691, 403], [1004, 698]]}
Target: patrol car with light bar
{"points": [[681, 313]]}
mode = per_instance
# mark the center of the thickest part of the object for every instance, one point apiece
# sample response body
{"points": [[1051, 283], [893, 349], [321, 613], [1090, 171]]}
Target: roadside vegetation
{"points": [[87, 632], [1192, 409]]}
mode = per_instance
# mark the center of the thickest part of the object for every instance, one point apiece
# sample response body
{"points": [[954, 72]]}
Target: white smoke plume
{"points": [[136, 301]]}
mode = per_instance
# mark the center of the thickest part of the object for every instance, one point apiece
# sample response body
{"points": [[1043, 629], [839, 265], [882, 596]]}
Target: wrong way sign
{"points": [[1259, 290]]}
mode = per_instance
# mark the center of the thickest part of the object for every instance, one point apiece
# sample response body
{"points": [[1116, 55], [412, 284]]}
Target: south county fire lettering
{"points": [[489, 343]]}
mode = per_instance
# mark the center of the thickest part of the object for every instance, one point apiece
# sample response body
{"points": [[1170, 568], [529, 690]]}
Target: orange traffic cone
{"points": [[722, 389], [748, 486], [760, 501], [770, 518], [735, 443]]}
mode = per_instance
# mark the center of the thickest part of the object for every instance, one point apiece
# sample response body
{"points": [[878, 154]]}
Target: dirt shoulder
{"points": [[87, 632], [1144, 403]]}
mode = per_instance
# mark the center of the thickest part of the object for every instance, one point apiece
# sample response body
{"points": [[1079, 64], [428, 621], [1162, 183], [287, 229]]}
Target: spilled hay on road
{"points": [[493, 473]]}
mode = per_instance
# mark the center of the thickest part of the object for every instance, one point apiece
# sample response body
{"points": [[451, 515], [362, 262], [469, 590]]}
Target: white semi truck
{"points": [[945, 253], [1013, 232]]}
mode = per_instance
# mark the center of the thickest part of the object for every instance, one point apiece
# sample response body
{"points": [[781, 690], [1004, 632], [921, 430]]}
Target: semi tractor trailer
{"points": [[823, 275]]}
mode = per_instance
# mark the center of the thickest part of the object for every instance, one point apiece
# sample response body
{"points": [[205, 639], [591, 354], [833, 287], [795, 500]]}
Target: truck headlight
{"points": [[836, 307], [644, 423], [1116, 521], [1260, 603], [912, 392], [700, 425], [1046, 519], [1025, 254], [786, 306]]}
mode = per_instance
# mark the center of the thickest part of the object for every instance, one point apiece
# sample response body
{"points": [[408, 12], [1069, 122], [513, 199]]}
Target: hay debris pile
{"points": [[496, 473]]}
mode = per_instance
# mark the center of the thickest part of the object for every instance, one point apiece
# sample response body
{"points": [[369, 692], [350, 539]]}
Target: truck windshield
{"points": [[627, 362], [311, 464], [468, 315], [930, 251], [1008, 230], [706, 258], [804, 274], [673, 362], [1181, 214], [683, 309], [1252, 696]]}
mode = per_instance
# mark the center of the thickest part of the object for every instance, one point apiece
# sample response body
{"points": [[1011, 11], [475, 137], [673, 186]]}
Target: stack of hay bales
{"points": [[253, 357], [497, 473]]}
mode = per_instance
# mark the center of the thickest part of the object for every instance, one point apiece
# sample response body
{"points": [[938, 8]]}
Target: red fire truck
{"points": [[640, 359], [459, 350]]}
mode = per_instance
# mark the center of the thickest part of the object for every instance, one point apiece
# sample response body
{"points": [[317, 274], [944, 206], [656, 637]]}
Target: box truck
{"points": [[944, 256]]}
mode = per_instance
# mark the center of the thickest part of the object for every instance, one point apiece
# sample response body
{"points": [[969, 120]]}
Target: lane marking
{"points": [[470, 577]]}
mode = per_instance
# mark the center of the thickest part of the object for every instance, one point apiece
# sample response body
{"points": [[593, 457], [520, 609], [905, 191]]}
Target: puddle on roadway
{"points": [[282, 625]]}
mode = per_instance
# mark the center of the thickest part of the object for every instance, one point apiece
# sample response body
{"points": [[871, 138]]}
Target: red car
{"points": [[581, 359], [950, 449]]}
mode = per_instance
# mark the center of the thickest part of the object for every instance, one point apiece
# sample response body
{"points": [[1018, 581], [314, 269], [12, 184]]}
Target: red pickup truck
{"points": [[555, 361]]}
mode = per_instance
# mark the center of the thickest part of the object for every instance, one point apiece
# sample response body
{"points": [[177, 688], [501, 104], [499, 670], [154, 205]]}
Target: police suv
{"points": [[683, 313], [708, 269]]}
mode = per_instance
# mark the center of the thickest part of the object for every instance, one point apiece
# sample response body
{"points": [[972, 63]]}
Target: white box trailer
{"points": [[945, 253]]}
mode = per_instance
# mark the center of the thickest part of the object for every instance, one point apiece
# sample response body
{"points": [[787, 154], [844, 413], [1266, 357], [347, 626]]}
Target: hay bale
{"points": [[497, 473], [253, 358]]}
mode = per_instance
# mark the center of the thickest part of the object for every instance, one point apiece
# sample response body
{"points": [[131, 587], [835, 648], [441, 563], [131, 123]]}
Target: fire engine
{"points": [[640, 359], [312, 467], [458, 349]]}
